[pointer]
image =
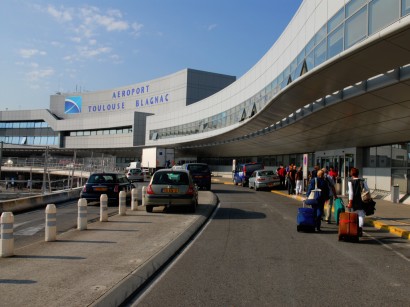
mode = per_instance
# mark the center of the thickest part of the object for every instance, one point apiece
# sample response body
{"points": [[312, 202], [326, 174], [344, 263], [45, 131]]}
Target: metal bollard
{"points": [[123, 203], [134, 199], [82, 214], [51, 223], [7, 236], [143, 191], [103, 208]]}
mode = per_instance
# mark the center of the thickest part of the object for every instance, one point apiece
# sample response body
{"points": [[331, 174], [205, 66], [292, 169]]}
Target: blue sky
{"points": [[66, 46]]}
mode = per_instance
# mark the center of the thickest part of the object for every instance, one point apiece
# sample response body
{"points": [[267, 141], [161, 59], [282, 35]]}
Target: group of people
{"points": [[326, 183], [291, 177]]}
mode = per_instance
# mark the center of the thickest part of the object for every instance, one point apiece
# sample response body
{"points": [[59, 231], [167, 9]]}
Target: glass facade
{"points": [[28, 133], [353, 23]]}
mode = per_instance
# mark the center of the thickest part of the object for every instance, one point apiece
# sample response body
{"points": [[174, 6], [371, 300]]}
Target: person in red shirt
{"points": [[332, 173]]}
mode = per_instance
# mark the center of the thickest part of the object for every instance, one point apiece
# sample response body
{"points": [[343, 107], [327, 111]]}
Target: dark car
{"points": [[243, 171], [170, 187], [110, 184], [201, 174]]}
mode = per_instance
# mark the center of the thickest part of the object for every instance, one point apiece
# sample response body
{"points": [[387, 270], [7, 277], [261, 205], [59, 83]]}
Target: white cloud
{"points": [[212, 26], [61, 15], [90, 53], [28, 53], [36, 75], [136, 27]]}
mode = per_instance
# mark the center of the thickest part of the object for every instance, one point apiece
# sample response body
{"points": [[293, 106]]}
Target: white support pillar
{"points": [[82, 214], [51, 223], [134, 199], [123, 203], [103, 208], [7, 235]]}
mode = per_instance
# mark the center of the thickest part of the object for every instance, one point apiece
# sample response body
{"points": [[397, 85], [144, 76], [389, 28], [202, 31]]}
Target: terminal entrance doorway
{"points": [[342, 165]]}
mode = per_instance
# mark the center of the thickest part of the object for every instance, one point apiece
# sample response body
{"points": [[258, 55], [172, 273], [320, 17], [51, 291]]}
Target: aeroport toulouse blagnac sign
{"points": [[74, 104]]}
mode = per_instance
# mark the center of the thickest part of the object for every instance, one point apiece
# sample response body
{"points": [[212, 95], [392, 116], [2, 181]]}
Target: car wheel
{"points": [[149, 208], [250, 186], [193, 207], [235, 183], [256, 188]]}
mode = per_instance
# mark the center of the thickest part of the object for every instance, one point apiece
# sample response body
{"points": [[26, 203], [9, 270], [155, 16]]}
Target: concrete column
{"points": [[82, 214], [134, 199], [103, 208], [51, 223], [7, 236], [143, 191], [123, 203]]}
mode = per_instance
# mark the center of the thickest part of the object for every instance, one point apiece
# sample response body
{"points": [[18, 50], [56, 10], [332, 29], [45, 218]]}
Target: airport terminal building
{"points": [[333, 90]]}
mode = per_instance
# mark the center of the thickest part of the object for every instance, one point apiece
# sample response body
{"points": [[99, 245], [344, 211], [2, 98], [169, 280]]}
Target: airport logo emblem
{"points": [[72, 105]]}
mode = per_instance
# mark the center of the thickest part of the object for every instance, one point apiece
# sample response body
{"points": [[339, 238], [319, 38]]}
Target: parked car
{"points": [[135, 174], [263, 179], [170, 187], [106, 183], [242, 172], [201, 174]]}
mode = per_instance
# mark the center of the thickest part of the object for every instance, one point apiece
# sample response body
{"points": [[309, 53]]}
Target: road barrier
{"points": [[39, 201], [143, 191], [122, 203], [104, 208], [7, 235], [51, 223], [82, 214], [134, 199]]}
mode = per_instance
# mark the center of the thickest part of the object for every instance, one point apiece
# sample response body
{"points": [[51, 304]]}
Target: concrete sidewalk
{"points": [[100, 266]]}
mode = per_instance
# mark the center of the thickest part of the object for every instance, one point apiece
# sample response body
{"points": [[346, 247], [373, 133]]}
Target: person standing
{"points": [[299, 181], [355, 196], [321, 184], [282, 175], [332, 195], [291, 179]]}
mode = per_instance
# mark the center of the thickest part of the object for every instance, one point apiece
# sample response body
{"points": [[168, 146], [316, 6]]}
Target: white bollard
{"points": [[51, 223], [7, 236], [143, 191], [123, 203], [134, 199], [103, 208], [82, 214]]}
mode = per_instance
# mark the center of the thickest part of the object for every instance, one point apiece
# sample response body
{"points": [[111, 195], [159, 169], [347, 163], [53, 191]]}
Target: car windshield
{"points": [[174, 178], [101, 178], [135, 171], [198, 168], [266, 173]]}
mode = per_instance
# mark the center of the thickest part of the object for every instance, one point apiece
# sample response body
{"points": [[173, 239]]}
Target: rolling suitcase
{"points": [[305, 219], [349, 226], [338, 208]]}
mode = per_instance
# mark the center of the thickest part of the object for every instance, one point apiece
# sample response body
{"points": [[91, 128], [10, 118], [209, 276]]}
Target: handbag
{"points": [[369, 207], [365, 194], [314, 195]]}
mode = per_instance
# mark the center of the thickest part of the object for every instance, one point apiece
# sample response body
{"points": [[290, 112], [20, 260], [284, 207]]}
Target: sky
{"points": [[90, 45]]}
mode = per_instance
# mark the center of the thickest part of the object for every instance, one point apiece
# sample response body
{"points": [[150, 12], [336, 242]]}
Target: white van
{"points": [[133, 165]]}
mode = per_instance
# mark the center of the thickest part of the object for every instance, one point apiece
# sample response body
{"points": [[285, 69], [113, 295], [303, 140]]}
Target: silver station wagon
{"points": [[171, 187]]}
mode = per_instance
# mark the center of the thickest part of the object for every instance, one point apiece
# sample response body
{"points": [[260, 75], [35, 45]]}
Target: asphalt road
{"points": [[250, 254]]}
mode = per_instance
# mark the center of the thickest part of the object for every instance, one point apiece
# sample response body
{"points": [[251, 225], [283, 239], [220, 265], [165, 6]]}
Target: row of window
{"points": [[101, 132], [20, 125], [357, 20], [397, 155], [30, 140]]}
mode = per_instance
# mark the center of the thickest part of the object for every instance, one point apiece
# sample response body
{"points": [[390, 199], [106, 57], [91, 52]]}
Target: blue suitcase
{"points": [[305, 219]]}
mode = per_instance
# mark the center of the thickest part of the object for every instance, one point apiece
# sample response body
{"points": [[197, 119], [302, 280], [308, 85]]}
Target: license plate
{"points": [[170, 190], [100, 189]]}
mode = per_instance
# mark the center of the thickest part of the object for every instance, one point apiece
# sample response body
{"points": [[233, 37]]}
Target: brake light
{"points": [[149, 190], [116, 188], [84, 188], [190, 190], [261, 179]]}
